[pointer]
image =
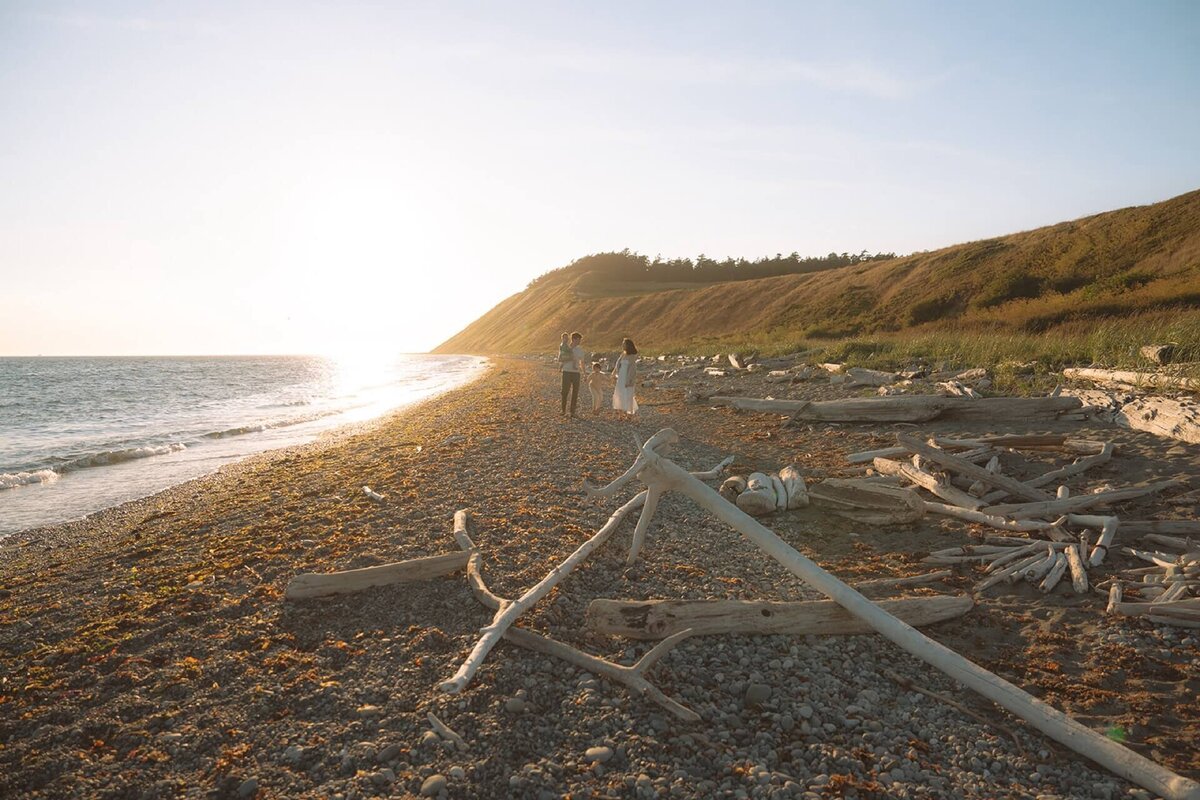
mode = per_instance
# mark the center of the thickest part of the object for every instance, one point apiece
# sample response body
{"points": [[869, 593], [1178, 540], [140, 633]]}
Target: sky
{"points": [[256, 177]]}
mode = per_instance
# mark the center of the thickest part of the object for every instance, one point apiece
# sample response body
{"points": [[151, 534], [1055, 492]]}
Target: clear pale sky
{"points": [[228, 177]]}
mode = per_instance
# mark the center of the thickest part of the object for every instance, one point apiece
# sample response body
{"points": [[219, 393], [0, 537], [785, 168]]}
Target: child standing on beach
{"points": [[595, 382]]}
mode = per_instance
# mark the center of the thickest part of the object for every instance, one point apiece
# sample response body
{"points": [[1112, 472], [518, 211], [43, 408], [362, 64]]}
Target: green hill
{"points": [[1115, 265]]}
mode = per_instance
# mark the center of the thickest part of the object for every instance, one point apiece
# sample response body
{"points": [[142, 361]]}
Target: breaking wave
{"points": [[107, 457], [11, 480]]}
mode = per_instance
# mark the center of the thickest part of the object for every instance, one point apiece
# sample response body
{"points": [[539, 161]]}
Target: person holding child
{"points": [[571, 356], [626, 374]]}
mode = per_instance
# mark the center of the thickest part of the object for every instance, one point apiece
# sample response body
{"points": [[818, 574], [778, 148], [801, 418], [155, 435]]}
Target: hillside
{"points": [[1111, 265]]}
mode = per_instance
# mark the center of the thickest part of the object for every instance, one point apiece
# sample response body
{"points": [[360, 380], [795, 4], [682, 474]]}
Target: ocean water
{"points": [[81, 434]]}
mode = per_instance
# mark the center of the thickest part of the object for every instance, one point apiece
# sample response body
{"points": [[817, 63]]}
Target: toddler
{"points": [[594, 381]]}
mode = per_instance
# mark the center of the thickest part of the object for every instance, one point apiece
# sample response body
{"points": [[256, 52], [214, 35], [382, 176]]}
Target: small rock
{"points": [[369, 711], [514, 705], [432, 785], [757, 694], [598, 755], [249, 788], [388, 753], [458, 773], [805, 711]]}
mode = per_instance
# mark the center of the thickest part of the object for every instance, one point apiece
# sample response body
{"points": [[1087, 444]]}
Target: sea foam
{"points": [[11, 480]]}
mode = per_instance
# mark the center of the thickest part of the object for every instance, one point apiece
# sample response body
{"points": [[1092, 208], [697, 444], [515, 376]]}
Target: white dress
{"points": [[623, 399]]}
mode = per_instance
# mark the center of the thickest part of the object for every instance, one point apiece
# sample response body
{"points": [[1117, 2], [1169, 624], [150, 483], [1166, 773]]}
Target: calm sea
{"points": [[81, 434]]}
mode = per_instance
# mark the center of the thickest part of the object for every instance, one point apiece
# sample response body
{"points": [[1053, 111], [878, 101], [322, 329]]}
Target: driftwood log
{"points": [[866, 501], [655, 619], [964, 467], [1155, 380], [910, 408], [313, 584]]}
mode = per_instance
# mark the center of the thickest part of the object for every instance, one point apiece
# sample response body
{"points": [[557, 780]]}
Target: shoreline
{"points": [[147, 651], [329, 436]]}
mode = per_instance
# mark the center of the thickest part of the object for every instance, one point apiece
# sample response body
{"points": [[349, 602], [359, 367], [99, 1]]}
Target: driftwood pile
{"points": [[1169, 590], [1060, 540], [668, 618]]}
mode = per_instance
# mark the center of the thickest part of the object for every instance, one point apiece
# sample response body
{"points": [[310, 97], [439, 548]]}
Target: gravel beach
{"points": [[147, 651]]}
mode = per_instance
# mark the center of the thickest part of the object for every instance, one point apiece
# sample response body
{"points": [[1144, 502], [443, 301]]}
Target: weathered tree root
{"points": [[633, 678]]}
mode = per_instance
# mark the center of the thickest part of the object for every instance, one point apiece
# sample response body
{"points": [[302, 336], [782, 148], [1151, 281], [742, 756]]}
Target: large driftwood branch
{"points": [[1080, 502], [313, 584], [654, 619], [1130, 378], [991, 520], [1049, 720], [508, 614], [965, 467], [634, 678], [653, 444]]}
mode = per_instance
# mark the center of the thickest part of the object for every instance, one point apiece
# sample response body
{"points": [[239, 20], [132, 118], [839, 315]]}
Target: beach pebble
{"points": [[757, 694], [457, 773], [388, 753], [432, 785], [369, 711], [514, 705], [248, 788], [598, 755], [293, 754]]}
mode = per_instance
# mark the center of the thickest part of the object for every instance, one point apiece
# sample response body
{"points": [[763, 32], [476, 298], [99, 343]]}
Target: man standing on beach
{"points": [[571, 370]]}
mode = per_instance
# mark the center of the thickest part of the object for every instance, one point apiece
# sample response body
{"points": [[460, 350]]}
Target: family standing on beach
{"points": [[571, 356]]}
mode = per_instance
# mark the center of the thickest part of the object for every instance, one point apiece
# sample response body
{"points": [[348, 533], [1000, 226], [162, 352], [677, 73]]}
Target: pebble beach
{"points": [[147, 651]]}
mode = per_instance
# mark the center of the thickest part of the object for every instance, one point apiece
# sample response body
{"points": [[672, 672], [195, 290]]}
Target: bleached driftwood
{"points": [[928, 481], [1185, 527], [1162, 416], [1016, 568], [446, 732], [870, 377], [781, 498], [634, 678], [866, 501], [990, 520], [759, 497], [1079, 578], [653, 444], [654, 619], [911, 580], [1079, 502], [1131, 378], [794, 487], [1050, 721], [1108, 532], [643, 525], [732, 487], [965, 467], [1114, 598], [376, 496], [1056, 572], [314, 584], [909, 408], [508, 614]]}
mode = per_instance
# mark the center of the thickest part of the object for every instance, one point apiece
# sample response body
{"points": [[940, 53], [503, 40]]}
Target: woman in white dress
{"points": [[626, 371]]}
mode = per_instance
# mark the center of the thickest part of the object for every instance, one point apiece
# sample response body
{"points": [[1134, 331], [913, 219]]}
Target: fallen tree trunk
{"points": [[1052, 722], [656, 619], [910, 408], [1130, 378], [1162, 416], [312, 584], [1079, 502]]}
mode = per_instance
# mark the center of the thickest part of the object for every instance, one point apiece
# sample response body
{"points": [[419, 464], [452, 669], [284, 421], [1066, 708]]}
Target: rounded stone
{"points": [[432, 785], [598, 755]]}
